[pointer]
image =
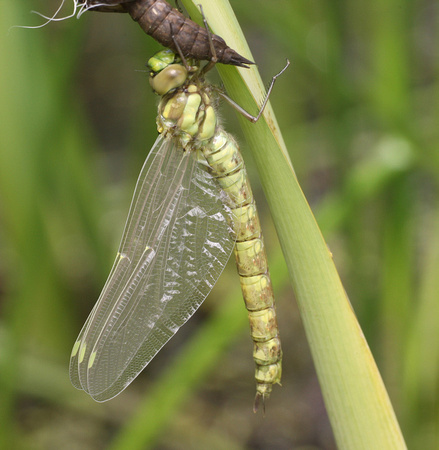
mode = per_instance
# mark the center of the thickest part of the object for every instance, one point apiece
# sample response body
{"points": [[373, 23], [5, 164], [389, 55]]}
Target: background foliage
{"points": [[358, 110]]}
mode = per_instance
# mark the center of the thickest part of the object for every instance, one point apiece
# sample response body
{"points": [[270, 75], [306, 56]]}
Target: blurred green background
{"points": [[359, 112]]}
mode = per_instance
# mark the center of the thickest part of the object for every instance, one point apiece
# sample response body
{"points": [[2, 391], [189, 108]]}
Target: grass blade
{"points": [[357, 402]]}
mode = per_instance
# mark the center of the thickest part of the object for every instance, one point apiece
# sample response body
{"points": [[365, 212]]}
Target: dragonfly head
{"points": [[168, 72]]}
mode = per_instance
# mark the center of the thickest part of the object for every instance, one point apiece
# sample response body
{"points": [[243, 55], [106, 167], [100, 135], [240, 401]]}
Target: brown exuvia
{"points": [[169, 27]]}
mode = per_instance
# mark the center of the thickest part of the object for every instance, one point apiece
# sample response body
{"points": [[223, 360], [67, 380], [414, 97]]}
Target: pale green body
{"points": [[187, 114], [191, 207]]}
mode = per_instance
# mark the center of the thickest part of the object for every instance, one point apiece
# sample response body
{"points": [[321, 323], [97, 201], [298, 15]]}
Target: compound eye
{"points": [[168, 79]]}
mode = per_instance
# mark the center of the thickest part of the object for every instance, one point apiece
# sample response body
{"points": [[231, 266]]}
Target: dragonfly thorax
{"points": [[187, 114]]}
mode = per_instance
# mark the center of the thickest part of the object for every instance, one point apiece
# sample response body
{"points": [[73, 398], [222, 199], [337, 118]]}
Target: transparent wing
{"points": [[176, 243]]}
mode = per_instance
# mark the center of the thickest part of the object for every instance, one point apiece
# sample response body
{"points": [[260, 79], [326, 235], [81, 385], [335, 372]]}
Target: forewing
{"points": [[176, 243]]}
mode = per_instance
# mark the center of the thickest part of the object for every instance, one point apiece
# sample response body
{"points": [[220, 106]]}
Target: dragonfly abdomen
{"points": [[227, 165]]}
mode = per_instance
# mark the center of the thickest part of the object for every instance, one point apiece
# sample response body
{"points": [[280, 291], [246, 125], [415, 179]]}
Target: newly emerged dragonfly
{"points": [[191, 207], [172, 29]]}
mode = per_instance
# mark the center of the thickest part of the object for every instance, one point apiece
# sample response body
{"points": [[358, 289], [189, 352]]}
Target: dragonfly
{"points": [[172, 29], [192, 207]]}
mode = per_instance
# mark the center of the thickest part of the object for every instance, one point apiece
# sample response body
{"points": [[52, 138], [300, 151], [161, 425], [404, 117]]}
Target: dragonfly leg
{"points": [[177, 5], [177, 46], [214, 58], [246, 114]]}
